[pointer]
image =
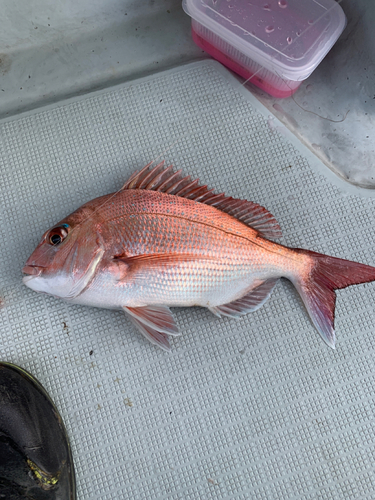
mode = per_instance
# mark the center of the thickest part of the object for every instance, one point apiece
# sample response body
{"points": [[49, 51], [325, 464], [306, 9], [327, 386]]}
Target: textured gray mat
{"points": [[258, 408]]}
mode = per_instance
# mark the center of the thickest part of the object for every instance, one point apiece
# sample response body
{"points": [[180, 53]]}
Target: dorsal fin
{"points": [[163, 179]]}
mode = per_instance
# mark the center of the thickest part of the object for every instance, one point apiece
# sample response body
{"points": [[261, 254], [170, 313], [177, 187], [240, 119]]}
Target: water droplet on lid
{"points": [[310, 21], [267, 7], [269, 29], [298, 33], [289, 40], [283, 4]]}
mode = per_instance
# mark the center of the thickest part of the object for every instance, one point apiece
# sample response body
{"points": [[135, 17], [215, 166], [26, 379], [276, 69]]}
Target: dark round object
{"points": [[55, 239], [58, 234], [35, 457]]}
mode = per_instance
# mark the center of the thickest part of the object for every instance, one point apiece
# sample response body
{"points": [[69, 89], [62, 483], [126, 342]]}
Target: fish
{"points": [[164, 240]]}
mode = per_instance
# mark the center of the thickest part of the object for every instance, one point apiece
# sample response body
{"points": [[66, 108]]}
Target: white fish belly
{"points": [[203, 283]]}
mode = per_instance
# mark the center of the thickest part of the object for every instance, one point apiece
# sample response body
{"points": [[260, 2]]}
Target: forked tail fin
{"points": [[317, 288]]}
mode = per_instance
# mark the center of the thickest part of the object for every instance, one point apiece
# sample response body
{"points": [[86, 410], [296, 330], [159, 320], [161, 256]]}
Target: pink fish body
{"points": [[165, 241]]}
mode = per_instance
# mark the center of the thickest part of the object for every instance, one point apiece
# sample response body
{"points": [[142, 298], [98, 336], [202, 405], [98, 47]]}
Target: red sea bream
{"points": [[164, 240]]}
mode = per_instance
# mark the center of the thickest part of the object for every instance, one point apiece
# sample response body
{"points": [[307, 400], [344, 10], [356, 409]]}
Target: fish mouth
{"points": [[32, 271]]}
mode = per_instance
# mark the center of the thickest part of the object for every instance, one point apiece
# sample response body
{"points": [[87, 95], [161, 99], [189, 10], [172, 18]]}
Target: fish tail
{"points": [[317, 287]]}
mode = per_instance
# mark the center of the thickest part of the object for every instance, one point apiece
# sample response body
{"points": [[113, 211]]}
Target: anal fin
{"points": [[248, 303], [154, 322]]}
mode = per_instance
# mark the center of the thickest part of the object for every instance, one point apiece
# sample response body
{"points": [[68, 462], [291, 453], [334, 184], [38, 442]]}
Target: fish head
{"points": [[66, 258]]}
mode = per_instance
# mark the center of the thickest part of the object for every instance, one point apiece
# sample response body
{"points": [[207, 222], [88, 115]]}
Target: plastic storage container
{"points": [[276, 44]]}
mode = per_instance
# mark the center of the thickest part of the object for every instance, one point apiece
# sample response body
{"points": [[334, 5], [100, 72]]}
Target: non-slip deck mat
{"points": [[256, 408]]}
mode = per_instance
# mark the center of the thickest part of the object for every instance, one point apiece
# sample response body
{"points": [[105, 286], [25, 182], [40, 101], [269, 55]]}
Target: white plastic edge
{"points": [[272, 64]]}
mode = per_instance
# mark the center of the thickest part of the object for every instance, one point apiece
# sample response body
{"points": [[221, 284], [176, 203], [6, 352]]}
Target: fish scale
{"points": [[175, 221], [164, 240]]}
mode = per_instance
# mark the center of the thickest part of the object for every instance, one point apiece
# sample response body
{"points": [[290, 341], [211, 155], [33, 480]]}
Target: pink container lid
{"points": [[288, 37]]}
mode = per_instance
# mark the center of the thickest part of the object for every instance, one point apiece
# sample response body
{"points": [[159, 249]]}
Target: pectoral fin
{"points": [[154, 322], [142, 264]]}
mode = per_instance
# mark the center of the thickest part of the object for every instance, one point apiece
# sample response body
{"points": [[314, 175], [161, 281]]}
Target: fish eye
{"points": [[58, 234]]}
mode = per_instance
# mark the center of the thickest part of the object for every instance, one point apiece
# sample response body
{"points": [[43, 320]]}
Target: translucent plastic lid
{"points": [[289, 37]]}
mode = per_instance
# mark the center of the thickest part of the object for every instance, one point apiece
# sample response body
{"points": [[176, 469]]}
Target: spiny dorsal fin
{"points": [[163, 179]]}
